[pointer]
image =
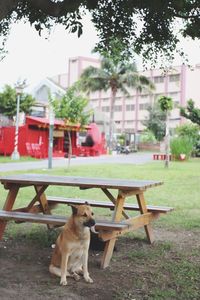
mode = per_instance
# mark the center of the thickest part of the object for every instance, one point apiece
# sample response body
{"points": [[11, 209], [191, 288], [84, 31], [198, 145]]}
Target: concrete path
{"points": [[134, 158]]}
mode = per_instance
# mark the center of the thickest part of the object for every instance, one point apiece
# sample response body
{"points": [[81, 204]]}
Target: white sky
{"points": [[33, 57]]}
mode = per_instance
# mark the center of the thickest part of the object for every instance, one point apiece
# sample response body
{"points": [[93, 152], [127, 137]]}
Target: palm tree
{"points": [[116, 76]]}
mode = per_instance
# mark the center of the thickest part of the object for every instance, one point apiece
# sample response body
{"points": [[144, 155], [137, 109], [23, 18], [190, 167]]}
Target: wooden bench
{"points": [[54, 220], [102, 204], [161, 156]]}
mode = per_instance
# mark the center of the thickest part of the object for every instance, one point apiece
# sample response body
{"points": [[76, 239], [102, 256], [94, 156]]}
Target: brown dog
{"points": [[70, 256]]}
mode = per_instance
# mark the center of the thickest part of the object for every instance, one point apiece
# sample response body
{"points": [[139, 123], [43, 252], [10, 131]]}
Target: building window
{"points": [[118, 99], [105, 99], [117, 108], [158, 79], [176, 104], [130, 107], [129, 122], [143, 106], [175, 96], [94, 101], [144, 97], [105, 108], [174, 77]]}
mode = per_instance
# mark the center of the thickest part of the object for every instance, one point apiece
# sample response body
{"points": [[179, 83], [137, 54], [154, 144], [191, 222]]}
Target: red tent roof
{"points": [[57, 122]]}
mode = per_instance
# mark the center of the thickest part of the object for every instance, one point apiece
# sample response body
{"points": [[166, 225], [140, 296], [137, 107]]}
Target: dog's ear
{"points": [[74, 210]]}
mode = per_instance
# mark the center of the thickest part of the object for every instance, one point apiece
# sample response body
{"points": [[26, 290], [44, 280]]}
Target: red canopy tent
{"points": [[34, 138]]}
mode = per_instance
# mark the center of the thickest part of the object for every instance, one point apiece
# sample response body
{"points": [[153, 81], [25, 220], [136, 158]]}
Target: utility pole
{"points": [[15, 154], [51, 126]]}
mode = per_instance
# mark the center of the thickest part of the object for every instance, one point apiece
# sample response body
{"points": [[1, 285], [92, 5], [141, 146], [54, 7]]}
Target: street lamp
{"points": [[51, 125], [15, 155]]}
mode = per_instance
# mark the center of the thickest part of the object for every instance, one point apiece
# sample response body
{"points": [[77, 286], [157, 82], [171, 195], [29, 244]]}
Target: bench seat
{"points": [[161, 156], [102, 204], [54, 220]]}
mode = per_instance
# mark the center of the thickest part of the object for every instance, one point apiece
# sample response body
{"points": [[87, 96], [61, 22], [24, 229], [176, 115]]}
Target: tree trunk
{"points": [[167, 141], [110, 137]]}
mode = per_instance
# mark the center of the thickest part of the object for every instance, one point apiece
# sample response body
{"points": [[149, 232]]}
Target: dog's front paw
{"points": [[88, 279], [76, 277], [63, 282]]}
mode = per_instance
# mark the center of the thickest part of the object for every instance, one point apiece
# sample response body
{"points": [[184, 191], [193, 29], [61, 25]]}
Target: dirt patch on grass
{"points": [[168, 269]]}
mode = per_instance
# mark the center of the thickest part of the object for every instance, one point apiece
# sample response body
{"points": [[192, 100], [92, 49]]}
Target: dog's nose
{"points": [[90, 223]]}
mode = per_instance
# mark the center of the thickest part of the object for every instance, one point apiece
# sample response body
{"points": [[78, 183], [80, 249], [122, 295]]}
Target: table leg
{"points": [[43, 201], [10, 200], [109, 246], [113, 200], [143, 210], [39, 193], [44, 204], [107, 254]]}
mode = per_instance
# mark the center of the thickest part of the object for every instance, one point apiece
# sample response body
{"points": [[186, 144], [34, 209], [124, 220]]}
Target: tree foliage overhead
{"points": [[191, 112], [8, 102], [148, 25]]}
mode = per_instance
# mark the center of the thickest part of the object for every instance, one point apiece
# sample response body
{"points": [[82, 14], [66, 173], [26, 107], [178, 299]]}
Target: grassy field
{"points": [[166, 270], [181, 188], [7, 159]]}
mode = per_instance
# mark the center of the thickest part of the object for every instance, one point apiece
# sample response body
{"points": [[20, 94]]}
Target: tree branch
{"points": [[55, 9], [186, 17], [6, 7]]}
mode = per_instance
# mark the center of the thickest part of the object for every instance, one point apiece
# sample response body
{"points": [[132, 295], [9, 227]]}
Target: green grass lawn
{"points": [[181, 188], [165, 270], [7, 159]]}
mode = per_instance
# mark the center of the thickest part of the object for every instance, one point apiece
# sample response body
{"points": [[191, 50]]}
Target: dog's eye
{"points": [[92, 214]]}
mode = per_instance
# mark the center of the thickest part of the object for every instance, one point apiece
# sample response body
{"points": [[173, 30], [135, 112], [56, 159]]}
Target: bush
{"points": [[191, 131], [147, 137], [181, 145], [188, 130]]}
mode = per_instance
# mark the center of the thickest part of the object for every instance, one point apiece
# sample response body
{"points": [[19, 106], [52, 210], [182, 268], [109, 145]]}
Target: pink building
{"points": [[181, 84]]}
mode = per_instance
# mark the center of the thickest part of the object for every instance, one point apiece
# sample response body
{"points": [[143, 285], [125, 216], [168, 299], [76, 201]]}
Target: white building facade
{"points": [[42, 92]]}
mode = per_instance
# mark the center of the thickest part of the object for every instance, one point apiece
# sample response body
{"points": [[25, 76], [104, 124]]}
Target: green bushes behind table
{"points": [[181, 145], [190, 131]]}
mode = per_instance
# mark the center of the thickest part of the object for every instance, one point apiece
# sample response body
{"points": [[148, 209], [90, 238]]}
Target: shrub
{"points": [[181, 145], [191, 131], [188, 130], [147, 137]]}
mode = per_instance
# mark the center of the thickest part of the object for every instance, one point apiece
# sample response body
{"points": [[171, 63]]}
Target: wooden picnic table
{"points": [[108, 230]]}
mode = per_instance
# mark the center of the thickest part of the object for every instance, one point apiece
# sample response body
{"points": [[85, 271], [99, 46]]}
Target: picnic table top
{"points": [[82, 182]]}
